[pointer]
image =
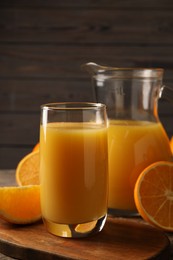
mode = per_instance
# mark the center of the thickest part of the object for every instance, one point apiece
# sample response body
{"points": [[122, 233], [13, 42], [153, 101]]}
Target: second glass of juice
{"points": [[73, 168]]}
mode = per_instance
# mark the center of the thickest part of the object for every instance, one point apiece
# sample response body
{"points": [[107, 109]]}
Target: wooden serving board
{"points": [[120, 239]]}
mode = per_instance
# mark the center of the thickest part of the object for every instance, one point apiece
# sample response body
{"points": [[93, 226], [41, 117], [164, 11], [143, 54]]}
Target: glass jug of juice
{"points": [[136, 137]]}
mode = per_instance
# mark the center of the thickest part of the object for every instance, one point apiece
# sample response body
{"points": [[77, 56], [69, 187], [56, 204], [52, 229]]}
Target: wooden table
{"points": [[7, 178]]}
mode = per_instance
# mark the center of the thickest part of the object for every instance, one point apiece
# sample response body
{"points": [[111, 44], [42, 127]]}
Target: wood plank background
{"points": [[43, 44]]}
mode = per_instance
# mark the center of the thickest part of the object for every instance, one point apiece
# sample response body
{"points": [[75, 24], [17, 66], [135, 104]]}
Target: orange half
{"points": [[27, 171], [20, 205], [153, 195]]}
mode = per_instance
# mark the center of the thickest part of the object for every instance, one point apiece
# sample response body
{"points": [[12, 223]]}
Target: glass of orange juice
{"points": [[73, 168]]}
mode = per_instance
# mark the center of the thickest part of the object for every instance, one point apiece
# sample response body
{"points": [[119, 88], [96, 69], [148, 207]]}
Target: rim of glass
{"points": [[135, 72], [104, 68], [73, 106], [143, 73]]}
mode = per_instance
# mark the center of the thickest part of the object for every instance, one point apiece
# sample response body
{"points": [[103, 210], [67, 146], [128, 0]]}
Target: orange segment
{"points": [[153, 195], [27, 171], [20, 205], [36, 147]]}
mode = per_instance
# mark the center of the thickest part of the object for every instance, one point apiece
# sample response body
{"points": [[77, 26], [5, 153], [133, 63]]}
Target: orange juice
{"points": [[73, 170], [133, 145]]}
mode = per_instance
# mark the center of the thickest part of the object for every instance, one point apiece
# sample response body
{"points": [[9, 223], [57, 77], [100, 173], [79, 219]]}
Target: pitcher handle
{"points": [[166, 93]]}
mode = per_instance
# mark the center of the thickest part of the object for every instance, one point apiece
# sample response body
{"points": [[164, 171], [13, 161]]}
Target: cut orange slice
{"points": [[20, 205], [153, 195], [27, 171]]}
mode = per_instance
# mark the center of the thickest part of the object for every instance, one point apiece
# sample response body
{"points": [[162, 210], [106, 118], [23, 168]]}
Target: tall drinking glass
{"points": [[73, 168]]}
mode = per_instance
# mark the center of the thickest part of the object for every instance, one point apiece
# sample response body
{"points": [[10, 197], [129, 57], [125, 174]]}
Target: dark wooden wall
{"points": [[43, 43]]}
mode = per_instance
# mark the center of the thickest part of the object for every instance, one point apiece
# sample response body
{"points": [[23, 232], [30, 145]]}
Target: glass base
{"points": [[75, 230], [122, 213]]}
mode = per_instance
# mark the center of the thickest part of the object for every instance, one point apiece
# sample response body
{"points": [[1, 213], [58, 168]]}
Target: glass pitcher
{"points": [[136, 137]]}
